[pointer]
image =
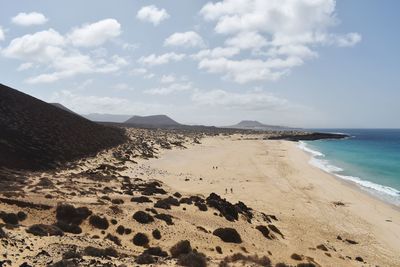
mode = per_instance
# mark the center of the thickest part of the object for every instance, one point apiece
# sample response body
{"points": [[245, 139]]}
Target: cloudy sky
{"points": [[305, 63]]}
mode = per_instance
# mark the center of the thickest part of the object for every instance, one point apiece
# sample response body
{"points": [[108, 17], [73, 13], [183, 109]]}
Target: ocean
{"points": [[370, 158]]}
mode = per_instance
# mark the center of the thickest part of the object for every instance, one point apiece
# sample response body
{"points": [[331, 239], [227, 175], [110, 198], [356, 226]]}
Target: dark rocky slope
{"points": [[36, 135]]}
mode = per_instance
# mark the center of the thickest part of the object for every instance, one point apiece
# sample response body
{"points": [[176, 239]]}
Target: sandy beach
{"points": [[275, 177], [141, 199]]}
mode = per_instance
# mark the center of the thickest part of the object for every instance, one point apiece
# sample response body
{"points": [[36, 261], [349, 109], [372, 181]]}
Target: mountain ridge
{"points": [[152, 120]]}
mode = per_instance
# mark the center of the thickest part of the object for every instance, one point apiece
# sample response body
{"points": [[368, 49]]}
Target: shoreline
{"points": [[276, 177], [348, 179]]}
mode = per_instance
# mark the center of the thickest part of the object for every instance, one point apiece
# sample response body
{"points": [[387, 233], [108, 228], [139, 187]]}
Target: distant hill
{"points": [[58, 105], [36, 135], [154, 120], [256, 125], [107, 117]]}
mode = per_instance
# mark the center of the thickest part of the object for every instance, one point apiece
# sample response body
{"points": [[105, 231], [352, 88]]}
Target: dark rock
{"points": [[166, 203], [25, 264], [114, 239], [290, 136], [72, 215], [65, 263], [2, 234], [143, 217], [44, 230], [120, 230], [275, 229], [296, 257], [322, 247], [218, 249], [243, 209], [359, 259], [22, 216], [193, 259], [151, 188], [117, 201], [201, 206], [165, 217], [98, 252], [156, 234], [10, 218], [145, 258], [69, 228], [141, 199], [113, 221], [178, 195], [265, 232], [182, 247], [140, 239], [156, 251], [226, 208], [352, 242], [228, 235], [72, 254], [251, 260], [98, 222]]}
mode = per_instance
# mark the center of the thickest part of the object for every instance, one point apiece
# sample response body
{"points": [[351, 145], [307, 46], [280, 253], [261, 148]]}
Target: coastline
{"points": [[384, 193], [276, 177]]}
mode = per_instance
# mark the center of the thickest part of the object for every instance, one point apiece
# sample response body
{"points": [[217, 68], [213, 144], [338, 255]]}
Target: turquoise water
{"points": [[370, 158]]}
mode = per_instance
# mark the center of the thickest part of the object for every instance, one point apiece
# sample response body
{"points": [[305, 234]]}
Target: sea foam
{"points": [[318, 160]]}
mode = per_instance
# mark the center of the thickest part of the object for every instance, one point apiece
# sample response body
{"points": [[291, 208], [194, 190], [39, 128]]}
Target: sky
{"points": [[300, 63]]}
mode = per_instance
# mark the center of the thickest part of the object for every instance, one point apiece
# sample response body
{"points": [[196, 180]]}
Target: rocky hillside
{"points": [[37, 135]]}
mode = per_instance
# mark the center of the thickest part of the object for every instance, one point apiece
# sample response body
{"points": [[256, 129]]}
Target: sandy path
{"points": [[275, 177]]}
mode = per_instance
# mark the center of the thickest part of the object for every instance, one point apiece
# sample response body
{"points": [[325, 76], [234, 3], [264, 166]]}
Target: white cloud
{"points": [[43, 46], [247, 40], [168, 78], [248, 70], [285, 31], [2, 35], [218, 52], [185, 39], [252, 100], [144, 73], [284, 16], [29, 19], [300, 51], [348, 40], [152, 14], [95, 34], [54, 52], [25, 66], [153, 60], [170, 89]]}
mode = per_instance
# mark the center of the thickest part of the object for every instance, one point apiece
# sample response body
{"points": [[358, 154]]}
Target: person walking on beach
{"points": [[231, 190]]}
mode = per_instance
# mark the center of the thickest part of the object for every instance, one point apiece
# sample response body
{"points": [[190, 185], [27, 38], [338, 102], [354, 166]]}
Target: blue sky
{"points": [[305, 63]]}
